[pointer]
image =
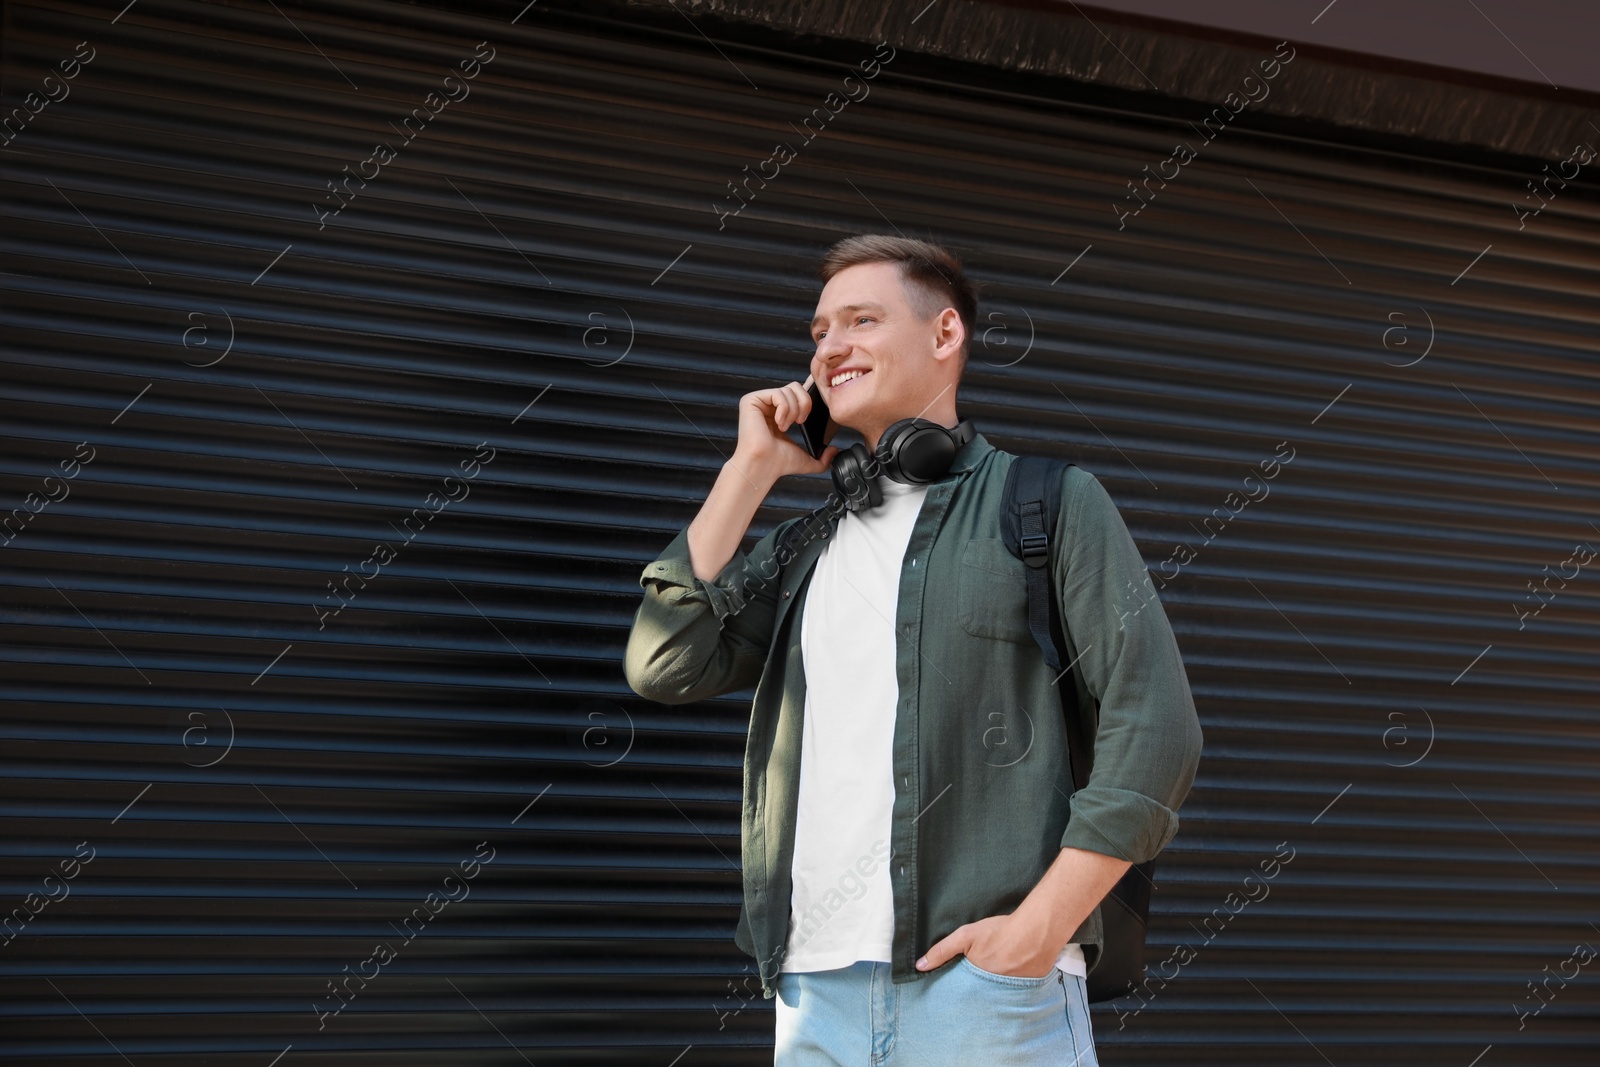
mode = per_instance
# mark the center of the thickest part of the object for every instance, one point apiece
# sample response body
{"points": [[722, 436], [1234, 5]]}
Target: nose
{"points": [[830, 353]]}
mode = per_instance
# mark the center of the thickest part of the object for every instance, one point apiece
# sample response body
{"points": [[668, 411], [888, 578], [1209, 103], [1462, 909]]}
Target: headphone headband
{"points": [[912, 452]]}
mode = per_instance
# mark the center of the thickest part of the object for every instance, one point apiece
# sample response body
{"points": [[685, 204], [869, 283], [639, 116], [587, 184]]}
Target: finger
{"points": [[824, 463], [782, 408], [799, 402], [803, 399], [944, 950], [762, 400]]}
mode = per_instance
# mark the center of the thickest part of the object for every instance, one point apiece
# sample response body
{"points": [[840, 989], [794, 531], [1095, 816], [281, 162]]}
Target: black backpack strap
{"points": [[1033, 498], [1031, 505]]}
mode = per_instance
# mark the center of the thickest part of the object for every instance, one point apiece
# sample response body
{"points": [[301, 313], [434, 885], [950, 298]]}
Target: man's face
{"points": [[865, 323]]}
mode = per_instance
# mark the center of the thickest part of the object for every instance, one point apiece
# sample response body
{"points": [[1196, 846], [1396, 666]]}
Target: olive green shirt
{"points": [[984, 798]]}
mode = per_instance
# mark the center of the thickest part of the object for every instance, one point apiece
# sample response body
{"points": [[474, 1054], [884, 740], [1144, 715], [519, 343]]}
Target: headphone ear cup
{"points": [[916, 451], [889, 445], [851, 481]]}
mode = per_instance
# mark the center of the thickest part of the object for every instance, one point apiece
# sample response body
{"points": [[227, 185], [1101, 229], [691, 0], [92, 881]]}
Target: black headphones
{"points": [[912, 452]]}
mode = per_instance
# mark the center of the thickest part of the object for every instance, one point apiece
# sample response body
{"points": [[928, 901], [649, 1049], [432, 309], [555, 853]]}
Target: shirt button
{"points": [[786, 594]]}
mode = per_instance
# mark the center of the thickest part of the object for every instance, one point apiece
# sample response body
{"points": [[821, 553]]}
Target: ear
{"points": [[949, 335]]}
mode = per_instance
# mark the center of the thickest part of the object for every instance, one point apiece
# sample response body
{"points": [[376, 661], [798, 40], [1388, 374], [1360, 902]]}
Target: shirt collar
{"points": [[971, 454]]}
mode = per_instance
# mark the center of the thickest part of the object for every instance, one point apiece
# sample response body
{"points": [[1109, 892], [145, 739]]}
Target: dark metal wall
{"points": [[325, 530]]}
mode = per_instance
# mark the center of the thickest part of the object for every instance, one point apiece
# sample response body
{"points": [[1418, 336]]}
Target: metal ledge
{"points": [[1174, 62]]}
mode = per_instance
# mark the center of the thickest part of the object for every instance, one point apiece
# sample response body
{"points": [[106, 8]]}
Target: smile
{"points": [[847, 376]]}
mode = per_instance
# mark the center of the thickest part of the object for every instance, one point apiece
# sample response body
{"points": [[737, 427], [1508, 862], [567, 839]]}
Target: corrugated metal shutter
{"points": [[219, 808]]}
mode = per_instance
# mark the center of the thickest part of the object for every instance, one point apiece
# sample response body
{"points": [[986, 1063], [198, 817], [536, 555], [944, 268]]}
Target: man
{"points": [[920, 881]]}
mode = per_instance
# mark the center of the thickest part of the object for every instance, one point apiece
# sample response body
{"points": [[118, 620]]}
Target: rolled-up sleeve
{"points": [[1147, 743], [692, 639]]}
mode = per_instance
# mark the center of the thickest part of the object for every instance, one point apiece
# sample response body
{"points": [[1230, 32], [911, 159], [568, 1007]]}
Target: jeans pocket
{"points": [[1021, 981]]}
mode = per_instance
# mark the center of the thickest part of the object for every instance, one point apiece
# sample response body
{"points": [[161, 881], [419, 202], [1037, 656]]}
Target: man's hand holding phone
{"points": [[765, 449], [764, 454]]}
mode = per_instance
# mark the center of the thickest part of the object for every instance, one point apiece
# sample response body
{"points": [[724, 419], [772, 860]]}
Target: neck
{"points": [[941, 409]]}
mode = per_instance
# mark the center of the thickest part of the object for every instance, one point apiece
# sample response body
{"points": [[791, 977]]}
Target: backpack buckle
{"points": [[1035, 549]]}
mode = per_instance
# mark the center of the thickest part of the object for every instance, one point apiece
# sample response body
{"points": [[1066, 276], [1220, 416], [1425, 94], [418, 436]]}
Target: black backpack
{"points": [[1032, 502]]}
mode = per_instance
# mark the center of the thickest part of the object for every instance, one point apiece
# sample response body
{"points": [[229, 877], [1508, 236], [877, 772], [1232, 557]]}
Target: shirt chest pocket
{"points": [[992, 592]]}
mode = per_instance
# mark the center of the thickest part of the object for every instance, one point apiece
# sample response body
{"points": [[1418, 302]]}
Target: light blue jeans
{"points": [[958, 1015]]}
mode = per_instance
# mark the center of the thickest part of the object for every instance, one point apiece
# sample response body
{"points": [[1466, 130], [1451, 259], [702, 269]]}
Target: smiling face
{"points": [[878, 360]]}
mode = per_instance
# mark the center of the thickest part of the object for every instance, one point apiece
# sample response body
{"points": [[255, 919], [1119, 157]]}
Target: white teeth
{"points": [[845, 377]]}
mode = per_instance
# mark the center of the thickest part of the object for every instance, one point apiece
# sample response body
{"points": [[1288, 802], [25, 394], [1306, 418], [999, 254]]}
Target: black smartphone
{"points": [[815, 428]]}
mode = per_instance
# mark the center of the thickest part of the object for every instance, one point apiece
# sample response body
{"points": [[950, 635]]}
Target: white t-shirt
{"points": [[842, 908]]}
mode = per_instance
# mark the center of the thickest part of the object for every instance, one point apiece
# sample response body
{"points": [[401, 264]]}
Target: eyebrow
{"points": [[818, 317]]}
